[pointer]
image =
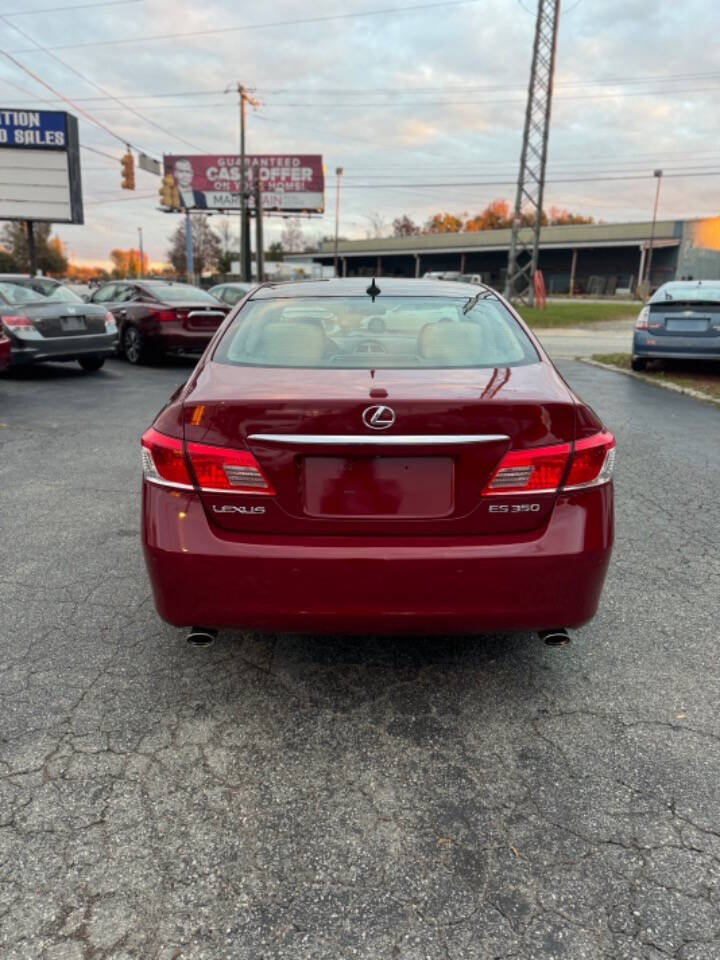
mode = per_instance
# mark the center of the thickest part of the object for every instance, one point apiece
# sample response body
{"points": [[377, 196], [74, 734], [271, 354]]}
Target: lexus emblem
{"points": [[378, 417]]}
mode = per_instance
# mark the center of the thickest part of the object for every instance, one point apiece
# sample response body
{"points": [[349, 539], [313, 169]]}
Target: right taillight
{"points": [[642, 319], [541, 469], [592, 463]]}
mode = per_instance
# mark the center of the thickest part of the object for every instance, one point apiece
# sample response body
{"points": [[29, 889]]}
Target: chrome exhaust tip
{"points": [[201, 637], [557, 637]]}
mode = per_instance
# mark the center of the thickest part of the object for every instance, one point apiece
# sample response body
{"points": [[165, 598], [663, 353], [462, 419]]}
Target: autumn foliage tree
{"points": [[126, 263], [497, 215]]}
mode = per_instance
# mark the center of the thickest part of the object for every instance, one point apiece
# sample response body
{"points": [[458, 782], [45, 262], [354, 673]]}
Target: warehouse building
{"points": [[596, 259]]}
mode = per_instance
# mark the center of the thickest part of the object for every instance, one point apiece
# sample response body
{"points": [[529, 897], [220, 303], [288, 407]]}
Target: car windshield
{"points": [[692, 293], [180, 293], [396, 332], [36, 291]]}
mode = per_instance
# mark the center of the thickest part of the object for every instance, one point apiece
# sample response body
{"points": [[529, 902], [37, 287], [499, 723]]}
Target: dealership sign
{"points": [[39, 166], [289, 183]]}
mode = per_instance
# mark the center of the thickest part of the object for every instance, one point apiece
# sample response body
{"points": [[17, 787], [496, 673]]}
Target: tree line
{"points": [[496, 216]]}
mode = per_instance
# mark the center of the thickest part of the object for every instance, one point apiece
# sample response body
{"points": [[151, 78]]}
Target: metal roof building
{"points": [[597, 258]]}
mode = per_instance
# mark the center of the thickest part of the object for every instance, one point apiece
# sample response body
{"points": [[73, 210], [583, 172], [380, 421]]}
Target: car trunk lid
{"points": [[690, 319], [62, 319], [332, 473]]}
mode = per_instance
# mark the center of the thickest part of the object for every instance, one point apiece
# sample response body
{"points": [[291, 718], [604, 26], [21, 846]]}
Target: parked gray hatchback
{"points": [[681, 321]]}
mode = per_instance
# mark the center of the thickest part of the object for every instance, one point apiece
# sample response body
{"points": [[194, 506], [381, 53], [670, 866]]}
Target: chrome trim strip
{"points": [[168, 483], [380, 440]]}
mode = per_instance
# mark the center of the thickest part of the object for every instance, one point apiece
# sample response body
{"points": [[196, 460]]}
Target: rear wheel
{"points": [[134, 347], [91, 364], [638, 363]]}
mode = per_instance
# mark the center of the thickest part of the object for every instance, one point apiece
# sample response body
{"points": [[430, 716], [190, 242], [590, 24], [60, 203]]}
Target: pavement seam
{"points": [[665, 385]]}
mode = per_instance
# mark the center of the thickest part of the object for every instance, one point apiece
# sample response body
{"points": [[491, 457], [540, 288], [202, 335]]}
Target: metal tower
{"points": [[523, 256]]}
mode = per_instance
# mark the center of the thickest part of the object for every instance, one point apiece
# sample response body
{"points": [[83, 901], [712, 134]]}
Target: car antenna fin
{"points": [[373, 290]]}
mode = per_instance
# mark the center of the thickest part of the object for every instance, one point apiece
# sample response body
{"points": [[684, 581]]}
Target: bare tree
{"points": [[292, 238], [206, 245], [377, 226]]}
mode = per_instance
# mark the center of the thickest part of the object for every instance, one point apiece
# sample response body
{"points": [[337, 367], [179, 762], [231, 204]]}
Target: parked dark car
{"points": [[45, 321], [4, 349], [681, 321], [160, 317], [231, 293], [435, 475]]}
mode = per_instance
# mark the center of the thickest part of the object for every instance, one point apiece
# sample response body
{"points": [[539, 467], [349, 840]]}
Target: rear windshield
{"points": [[180, 293], [37, 291], [398, 332], [692, 293]]}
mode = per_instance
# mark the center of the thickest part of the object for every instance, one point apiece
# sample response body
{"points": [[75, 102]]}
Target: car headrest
{"points": [[292, 343], [451, 343]]}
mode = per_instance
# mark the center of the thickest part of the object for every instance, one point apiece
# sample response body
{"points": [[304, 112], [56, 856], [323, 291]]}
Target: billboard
{"points": [[290, 183], [39, 166]]}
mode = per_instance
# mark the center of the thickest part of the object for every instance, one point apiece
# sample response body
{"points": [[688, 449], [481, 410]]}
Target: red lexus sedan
{"points": [[376, 457]]}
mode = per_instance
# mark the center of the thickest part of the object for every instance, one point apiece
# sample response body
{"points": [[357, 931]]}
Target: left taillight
{"points": [[163, 461], [215, 469], [224, 470], [17, 322], [541, 470]]}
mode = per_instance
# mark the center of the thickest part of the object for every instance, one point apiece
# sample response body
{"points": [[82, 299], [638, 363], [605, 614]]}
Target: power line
{"points": [[74, 6], [92, 83], [259, 26], [504, 183]]}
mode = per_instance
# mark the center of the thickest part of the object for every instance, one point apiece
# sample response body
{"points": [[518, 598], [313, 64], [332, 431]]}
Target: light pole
{"points": [[658, 175], [338, 176], [141, 270]]}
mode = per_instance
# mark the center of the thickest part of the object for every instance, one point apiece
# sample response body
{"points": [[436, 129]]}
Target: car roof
{"points": [[245, 284], [27, 278], [358, 287]]}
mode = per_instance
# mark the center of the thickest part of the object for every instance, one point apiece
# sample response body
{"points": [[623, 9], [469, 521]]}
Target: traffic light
{"points": [[169, 194], [127, 162]]}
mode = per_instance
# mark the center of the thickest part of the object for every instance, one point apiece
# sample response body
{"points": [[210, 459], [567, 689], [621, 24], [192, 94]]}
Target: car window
{"points": [[690, 293], [37, 291], [232, 295], [181, 293], [125, 293], [105, 294], [396, 332]]}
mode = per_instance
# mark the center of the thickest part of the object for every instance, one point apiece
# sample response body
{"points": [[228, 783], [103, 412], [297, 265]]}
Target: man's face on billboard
{"points": [[184, 173]]}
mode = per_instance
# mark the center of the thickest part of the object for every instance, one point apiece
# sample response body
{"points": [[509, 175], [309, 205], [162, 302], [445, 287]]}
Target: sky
{"points": [[405, 95]]}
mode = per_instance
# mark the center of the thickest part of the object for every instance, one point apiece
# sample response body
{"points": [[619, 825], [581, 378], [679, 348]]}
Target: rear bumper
{"points": [[37, 348], [675, 347], [202, 576], [172, 337]]}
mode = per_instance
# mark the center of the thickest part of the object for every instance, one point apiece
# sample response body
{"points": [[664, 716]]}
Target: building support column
{"points": [[462, 263], [378, 268], [573, 268], [641, 272], [417, 265], [343, 260]]}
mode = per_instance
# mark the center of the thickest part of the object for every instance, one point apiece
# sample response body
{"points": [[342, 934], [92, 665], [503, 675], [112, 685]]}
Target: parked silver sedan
{"points": [[46, 321], [230, 293]]}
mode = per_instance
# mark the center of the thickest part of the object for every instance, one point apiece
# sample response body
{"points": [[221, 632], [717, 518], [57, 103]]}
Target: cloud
{"points": [[430, 96]]}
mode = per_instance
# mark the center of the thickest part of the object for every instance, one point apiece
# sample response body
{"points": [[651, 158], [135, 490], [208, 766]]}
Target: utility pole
{"points": [[338, 176], [658, 174], [189, 265], [31, 247], [533, 155], [142, 266], [245, 266], [259, 252]]}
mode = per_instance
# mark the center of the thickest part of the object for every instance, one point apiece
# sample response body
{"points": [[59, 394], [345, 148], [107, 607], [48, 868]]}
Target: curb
{"points": [[663, 384]]}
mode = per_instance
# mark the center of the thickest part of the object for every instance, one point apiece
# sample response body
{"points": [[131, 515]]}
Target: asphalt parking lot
{"points": [[303, 798]]}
